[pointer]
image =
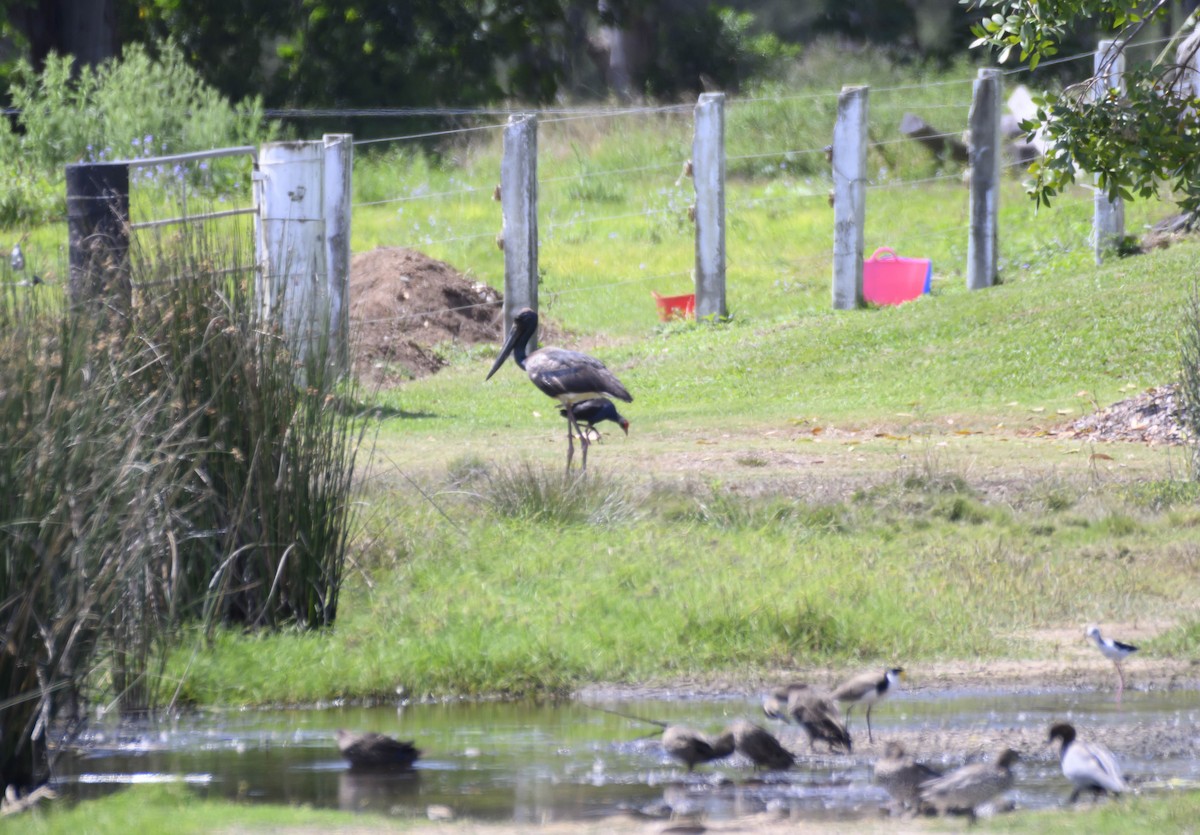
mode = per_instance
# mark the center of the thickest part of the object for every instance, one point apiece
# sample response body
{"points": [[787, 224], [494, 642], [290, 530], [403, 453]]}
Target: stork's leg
{"points": [[583, 443], [869, 739], [572, 429], [570, 439], [1120, 680]]}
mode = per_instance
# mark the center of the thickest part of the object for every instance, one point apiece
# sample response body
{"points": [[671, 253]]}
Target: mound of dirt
{"points": [[1151, 417], [408, 310]]}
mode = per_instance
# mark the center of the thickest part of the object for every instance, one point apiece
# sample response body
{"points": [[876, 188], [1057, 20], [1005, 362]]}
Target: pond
{"points": [[526, 762]]}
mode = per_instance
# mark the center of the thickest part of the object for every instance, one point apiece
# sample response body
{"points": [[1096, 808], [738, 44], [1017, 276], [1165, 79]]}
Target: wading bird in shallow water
{"points": [[570, 377], [375, 751], [901, 775], [1089, 766], [691, 747], [595, 411], [812, 710], [867, 689], [972, 785], [1114, 651], [760, 746]]}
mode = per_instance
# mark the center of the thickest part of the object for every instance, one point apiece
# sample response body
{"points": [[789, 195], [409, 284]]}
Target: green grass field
{"points": [[801, 487]]}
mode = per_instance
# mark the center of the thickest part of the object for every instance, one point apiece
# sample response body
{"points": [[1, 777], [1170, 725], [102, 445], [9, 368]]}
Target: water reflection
{"points": [[537, 763]]}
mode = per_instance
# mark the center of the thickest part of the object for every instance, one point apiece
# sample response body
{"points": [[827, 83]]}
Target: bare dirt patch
{"points": [[409, 311]]}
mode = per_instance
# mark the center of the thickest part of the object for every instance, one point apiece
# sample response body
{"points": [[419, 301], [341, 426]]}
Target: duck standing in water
{"points": [[970, 786], [376, 751], [901, 776], [691, 747]]}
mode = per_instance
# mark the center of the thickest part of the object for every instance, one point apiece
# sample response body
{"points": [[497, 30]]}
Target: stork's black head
{"points": [[1062, 731], [523, 327]]}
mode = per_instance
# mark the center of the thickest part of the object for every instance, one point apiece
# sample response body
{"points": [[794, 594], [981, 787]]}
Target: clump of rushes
{"points": [[183, 467]]}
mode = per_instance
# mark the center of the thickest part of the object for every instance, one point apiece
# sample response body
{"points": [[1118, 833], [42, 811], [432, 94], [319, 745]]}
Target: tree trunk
{"points": [[86, 29]]}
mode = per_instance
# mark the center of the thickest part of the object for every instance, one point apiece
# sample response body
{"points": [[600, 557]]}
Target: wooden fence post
{"points": [[339, 162], [849, 196], [289, 192], [984, 122], [98, 236], [518, 204], [708, 179], [1108, 216]]}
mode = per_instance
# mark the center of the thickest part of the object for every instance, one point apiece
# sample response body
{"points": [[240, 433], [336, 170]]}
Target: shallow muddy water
{"points": [[532, 763]]}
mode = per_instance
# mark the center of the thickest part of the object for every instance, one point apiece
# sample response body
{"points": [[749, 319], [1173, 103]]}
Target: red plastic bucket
{"points": [[675, 307], [890, 279]]}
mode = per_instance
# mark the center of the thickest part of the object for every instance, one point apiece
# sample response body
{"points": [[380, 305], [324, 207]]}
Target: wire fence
{"points": [[637, 199], [586, 202]]}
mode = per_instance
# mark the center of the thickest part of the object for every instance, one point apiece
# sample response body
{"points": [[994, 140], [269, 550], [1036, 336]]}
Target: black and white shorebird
{"points": [[1090, 766], [570, 377], [965, 788], [1114, 651], [591, 412], [901, 775], [17, 259], [813, 710], [867, 689], [372, 751]]}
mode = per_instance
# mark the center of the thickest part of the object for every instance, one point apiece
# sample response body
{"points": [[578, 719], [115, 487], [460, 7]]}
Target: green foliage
{"points": [[128, 108], [1136, 140]]}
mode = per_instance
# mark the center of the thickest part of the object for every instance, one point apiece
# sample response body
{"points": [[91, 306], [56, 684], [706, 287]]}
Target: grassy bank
{"points": [[174, 809]]}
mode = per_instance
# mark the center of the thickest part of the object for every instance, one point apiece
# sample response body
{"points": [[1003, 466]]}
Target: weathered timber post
{"points": [[984, 122], [518, 204], [339, 157], [292, 268], [849, 196], [708, 179], [1108, 216], [98, 236]]}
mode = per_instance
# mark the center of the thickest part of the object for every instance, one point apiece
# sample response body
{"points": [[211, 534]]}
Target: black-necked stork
{"points": [[1114, 651], [1088, 765], [570, 377], [594, 411], [972, 785], [867, 689]]}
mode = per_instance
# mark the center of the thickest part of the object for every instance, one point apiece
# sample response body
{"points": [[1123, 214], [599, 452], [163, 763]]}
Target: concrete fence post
{"points": [[708, 179], [98, 236], [339, 162], [984, 149], [849, 196], [289, 194], [518, 204], [1108, 216]]}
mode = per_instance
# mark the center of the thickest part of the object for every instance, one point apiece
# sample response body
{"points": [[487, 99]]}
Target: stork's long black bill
{"points": [[504, 352]]}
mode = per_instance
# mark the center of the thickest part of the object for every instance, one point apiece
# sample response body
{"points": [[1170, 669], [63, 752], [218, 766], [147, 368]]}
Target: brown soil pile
{"points": [[408, 311], [1153, 417]]}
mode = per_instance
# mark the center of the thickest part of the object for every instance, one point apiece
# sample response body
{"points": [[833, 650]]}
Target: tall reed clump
{"points": [[184, 466]]}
